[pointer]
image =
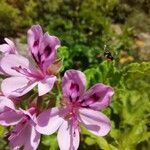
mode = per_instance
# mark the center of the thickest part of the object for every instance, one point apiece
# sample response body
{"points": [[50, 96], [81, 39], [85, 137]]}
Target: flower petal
{"points": [[12, 45], [6, 102], [48, 50], [10, 61], [68, 137], [2, 71], [35, 35], [46, 85], [5, 48], [24, 135], [33, 140], [8, 114], [8, 48], [73, 84], [97, 97], [94, 121], [30, 113], [10, 117], [17, 86], [19, 136], [49, 121]]}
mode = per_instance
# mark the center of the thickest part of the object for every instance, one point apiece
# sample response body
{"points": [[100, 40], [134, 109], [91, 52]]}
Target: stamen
{"points": [[21, 70], [27, 72]]}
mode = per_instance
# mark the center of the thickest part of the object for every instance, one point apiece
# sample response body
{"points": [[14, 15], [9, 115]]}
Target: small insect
{"points": [[107, 54]]}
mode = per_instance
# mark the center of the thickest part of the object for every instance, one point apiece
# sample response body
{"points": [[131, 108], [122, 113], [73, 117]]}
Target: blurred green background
{"points": [[84, 27]]}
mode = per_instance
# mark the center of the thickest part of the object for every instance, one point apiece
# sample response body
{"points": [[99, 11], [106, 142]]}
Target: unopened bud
{"points": [[55, 67]]}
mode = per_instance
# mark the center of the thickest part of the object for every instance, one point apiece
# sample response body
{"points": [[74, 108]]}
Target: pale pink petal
{"points": [[12, 45], [10, 61], [26, 136], [94, 121], [46, 85], [35, 35], [49, 121], [2, 71], [68, 137], [5, 48], [97, 97], [8, 114], [19, 136], [33, 140], [8, 48], [17, 86], [6, 102], [10, 117], [26, 112], [73, 84], [31, 113], [48, 51]]}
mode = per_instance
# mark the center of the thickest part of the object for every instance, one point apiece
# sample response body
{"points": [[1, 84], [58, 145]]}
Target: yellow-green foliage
{"points": [[9, 19]]}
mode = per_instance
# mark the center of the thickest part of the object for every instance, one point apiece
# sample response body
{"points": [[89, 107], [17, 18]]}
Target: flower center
{"points": [[71, 109]]}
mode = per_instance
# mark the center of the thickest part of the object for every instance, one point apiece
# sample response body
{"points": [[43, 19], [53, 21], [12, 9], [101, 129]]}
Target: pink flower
{"points": [[8, 47], [42, 47], [79, 107], [24, 134], [25, 75]]}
